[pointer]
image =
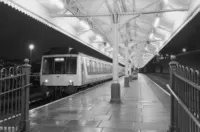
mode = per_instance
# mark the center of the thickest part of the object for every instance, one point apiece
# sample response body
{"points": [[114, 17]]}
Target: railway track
{"points": [[40, 102]]}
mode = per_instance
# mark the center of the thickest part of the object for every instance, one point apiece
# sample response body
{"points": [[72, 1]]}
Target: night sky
{"points": [[17, 31]]}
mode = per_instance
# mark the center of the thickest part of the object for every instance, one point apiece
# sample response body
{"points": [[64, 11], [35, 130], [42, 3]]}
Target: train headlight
{"points": [[45, 82], [71, 82]]}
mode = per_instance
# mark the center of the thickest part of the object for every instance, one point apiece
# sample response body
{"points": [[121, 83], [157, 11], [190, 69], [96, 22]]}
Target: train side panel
{"points": [[95, 76]]}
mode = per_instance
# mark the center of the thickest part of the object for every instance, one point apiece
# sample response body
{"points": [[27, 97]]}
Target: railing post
{"points": [[25, 123], [173, 68]]}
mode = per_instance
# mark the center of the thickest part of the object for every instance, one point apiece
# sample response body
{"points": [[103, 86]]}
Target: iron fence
{"points": [[14, 98], [185, 98]]}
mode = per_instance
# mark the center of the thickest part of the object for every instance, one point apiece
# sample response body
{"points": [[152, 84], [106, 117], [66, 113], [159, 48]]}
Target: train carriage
{"points": [[67, 71]]}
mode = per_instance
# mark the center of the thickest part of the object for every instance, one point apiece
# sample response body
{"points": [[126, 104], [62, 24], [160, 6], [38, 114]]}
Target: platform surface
{"points": [[144, 108]]}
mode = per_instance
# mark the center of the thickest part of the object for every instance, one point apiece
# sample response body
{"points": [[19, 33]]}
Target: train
{"points": [[65, 70]]}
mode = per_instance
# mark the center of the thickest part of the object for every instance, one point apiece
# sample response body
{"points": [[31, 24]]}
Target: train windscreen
{"points": [[59, 65]]}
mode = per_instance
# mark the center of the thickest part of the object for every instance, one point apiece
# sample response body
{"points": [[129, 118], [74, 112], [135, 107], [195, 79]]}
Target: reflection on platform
{"points": [[141, 110]]}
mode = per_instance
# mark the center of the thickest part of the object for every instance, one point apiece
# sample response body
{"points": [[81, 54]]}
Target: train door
{"points": [[82, 72]]}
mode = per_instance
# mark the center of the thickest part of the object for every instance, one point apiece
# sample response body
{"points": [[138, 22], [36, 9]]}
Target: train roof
{"points": [[68, 50], [61, 50]]}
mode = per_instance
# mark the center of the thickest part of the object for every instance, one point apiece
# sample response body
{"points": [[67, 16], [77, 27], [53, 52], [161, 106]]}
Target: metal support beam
{"points": [[83, 32], [108, 6], [126, 79], [125, 23], [115, 86], [122, 14], [152, 12]]}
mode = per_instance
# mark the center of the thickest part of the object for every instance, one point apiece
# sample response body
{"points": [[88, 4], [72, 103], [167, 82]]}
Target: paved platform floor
{"points": [[144, 108]]}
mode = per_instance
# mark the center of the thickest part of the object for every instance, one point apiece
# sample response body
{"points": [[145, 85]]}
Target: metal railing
{"points": [[14, 98], [185, 100]]}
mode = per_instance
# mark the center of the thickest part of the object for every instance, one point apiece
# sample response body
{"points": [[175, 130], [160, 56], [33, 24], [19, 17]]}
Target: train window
{"points": [[47, 66], [95, 67], [91, 69], [88, 65], [99, 68], [106, 68], [103, 68], [71, 65], [53, 65], [59, 66]]}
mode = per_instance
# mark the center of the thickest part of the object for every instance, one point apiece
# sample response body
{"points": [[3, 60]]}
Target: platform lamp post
{"points": [[31, 48]]}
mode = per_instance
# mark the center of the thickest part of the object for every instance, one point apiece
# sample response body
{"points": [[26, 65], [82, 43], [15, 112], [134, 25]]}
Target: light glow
{"points": [[151, 36], [85, 25], [59, 59], [157, 21], [165, 1], [184, 49], [31, 46], [146, 48], [99, 38], [58, 3]]}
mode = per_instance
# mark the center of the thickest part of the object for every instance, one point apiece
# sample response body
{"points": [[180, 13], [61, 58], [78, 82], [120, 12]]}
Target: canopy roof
{"points": [[145, 26]]}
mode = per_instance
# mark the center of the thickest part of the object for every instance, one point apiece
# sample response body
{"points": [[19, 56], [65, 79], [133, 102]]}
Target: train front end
{"points": [[59, 73]]}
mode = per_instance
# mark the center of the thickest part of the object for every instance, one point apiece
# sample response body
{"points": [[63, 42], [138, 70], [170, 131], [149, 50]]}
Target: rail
{"points": [[183, 106], [185, 100], [14, 98]]}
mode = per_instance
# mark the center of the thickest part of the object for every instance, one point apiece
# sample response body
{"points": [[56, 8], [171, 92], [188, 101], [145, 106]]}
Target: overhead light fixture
{"points": [[85, 25], [146, 48], [157, 21], [165, 1], [58, 3], [99, 38], [151, 36]]}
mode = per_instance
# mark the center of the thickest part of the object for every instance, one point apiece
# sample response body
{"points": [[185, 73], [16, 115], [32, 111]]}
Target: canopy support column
{"points": [[115, 86], [126, 79]]}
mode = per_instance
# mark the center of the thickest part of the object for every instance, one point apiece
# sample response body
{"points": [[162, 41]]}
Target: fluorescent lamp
{"points": [[99, 38], [58, 3], [165, 1], [59, 59], [157, 21], [85, 25], [151, 36]]}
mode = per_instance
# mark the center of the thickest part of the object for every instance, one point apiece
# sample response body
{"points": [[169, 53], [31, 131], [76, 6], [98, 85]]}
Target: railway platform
{"points": [[144, 108]]}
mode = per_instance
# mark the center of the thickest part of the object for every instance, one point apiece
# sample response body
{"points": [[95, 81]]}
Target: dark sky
{"points": [[188, 37], [17, 31]]}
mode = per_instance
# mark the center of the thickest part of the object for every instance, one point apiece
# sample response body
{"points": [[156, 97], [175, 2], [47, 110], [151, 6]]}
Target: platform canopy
{"points": [[145, 26]]}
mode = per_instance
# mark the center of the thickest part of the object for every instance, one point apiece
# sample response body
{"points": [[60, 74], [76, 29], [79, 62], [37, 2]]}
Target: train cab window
{"points": [[59, 65], [53, 65], [71, 65], [47, 66]]}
